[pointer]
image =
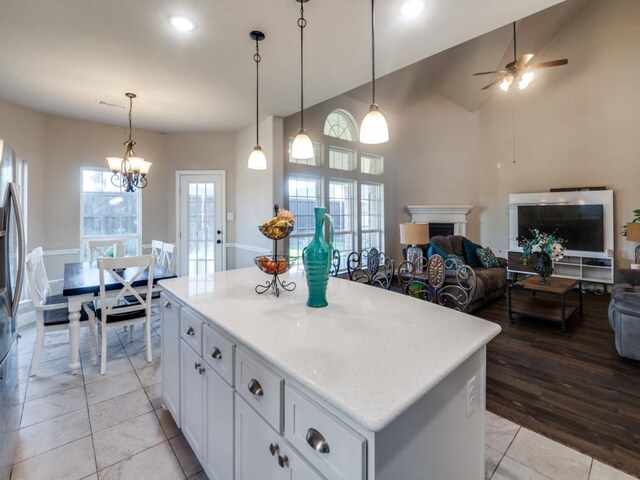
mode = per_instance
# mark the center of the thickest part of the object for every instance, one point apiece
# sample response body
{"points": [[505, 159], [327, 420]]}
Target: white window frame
{"points": [[85, 239], [320, 198], [381, 230], [355, 220]]}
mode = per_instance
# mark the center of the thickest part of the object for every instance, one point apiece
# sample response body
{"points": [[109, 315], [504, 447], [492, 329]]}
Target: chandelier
{"points": [[130, 171]]}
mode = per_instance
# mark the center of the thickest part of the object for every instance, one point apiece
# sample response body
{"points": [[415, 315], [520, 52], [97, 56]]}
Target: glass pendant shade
{"points": [[506, 83], [114, 163], [525, 80], [374, 127], [302, 148], [144, 168], [257, 159]]}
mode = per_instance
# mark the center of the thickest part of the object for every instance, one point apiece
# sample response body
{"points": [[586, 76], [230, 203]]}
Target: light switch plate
{"points": [[231, 216]]}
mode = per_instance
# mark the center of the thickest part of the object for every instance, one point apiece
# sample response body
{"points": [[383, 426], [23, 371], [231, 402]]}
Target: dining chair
{"points": [[167, 260], [52, 313], [371, 267], [113, 311], [103, 248], [156, 249]]}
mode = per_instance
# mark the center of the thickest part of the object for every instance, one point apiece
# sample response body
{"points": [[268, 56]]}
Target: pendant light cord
{"points": [[514, 42], [302, 23], [257, 59], [130, 116], [373, 50]]}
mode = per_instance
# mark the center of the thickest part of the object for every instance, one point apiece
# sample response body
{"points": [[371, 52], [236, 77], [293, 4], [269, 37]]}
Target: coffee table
{"points": [[548, 302]]}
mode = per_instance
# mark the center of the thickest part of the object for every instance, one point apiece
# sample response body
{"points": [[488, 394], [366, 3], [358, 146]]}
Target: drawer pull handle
{"points": [[190, 331], [167, 305], [283, 461], [216, 354], [273, 448], [317, 441], [201, 370], [197, 365], [255, 388]]}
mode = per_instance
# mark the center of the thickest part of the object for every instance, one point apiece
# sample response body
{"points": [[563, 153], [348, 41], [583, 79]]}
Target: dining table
{"points": [[81, 284]]}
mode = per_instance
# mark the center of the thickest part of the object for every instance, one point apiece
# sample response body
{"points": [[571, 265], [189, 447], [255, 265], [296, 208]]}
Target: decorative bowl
{"points": [[272, 265], [275, 233]]}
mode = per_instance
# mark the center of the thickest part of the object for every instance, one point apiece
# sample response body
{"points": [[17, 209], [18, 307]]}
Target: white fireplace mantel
{"points": [[456, 214]]}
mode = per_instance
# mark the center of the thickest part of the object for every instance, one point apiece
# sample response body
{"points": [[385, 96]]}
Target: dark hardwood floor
{"points": [[571, 387]]}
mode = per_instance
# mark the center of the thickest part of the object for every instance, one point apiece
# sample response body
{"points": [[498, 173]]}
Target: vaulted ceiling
{"points": [[61, 56]]}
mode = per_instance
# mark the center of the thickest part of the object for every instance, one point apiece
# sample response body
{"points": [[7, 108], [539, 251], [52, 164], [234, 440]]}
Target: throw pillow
{"points": [[435, 250], [487, 258], [470, 252], [455, 259]]}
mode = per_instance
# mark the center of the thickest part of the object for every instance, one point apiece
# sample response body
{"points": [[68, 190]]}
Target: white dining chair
{"points": [[104, 248], [156, 249], [52, 313], [114, 311], [167, 259]]}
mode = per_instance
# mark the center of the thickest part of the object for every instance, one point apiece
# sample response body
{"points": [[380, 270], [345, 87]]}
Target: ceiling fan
{"points": [[519, 69]]}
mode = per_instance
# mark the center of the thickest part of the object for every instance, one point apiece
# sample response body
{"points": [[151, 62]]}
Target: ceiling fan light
{"points": [[525, 80], [302, 148], [374, 127], [257, 159], [506, 83]]}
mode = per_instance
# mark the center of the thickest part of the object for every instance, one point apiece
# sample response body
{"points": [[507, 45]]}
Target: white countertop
{"points": [[370, 353]]}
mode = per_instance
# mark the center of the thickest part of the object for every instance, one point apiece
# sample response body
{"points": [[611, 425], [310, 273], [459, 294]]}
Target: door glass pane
{"points": [[201, 228]]}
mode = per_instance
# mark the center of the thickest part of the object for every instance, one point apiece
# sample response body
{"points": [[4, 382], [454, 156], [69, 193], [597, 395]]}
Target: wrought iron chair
{"points": [[335, 263], [371, 267], [443, 282]]}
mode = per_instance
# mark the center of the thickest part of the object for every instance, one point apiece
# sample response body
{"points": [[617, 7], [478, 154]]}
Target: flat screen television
{"points": [[580, 226]]}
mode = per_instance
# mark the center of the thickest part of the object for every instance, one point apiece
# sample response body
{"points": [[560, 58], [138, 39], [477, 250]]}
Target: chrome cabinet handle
{"points": [[216, 354], [167, 305], [317, 441], [190, 331], [255, 388], [283, 461], [273, 448]]}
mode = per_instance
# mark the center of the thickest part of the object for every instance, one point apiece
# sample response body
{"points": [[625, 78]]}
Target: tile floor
{"points": [[57, 426]]}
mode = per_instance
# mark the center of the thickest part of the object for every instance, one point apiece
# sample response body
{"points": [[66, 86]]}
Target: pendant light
{"points": [[130, 171], [257, 159], [302, 148], [374, 127]]}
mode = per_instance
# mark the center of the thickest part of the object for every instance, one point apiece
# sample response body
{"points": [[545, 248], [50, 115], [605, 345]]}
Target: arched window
{"points": [[341, 124]]}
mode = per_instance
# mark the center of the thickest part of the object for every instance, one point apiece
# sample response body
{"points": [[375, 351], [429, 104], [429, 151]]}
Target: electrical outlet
{"points": [[472, 395]]}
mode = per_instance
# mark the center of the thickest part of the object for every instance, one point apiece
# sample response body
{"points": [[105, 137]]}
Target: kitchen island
{"points": [[377, 385]]}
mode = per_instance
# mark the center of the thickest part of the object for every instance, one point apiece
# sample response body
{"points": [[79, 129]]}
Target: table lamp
{"points": [[414, 234], [633, 235]]}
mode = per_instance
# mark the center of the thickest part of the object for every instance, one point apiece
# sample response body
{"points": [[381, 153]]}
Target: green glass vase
{"points": [[316, 258]]}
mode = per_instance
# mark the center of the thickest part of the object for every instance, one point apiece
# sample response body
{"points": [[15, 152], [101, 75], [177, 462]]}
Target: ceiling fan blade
{"points": [[492, 84], [488, 73], [552, 63], [523, 60]]}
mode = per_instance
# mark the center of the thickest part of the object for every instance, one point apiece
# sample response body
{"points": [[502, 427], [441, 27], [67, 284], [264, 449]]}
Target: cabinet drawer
{"points": [[218, 353], [191, 330], [329, 444], [260, 387]]}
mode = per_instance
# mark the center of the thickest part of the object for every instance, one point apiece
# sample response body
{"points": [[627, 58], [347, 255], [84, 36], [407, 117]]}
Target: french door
{"points": [[200, 221]]}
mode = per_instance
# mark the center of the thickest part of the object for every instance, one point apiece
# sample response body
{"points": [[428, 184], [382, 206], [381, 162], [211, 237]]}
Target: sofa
{"points": [[624, 313], [491, 282]]}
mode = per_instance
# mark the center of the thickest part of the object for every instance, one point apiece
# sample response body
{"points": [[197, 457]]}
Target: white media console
{"points": [[586, 266]]}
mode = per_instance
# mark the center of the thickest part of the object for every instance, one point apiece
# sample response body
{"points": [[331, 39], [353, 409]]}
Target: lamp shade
{"points": [[414, 233], [114, 163], [633, 232], [257, 159], [302, 148], [374, 127]]}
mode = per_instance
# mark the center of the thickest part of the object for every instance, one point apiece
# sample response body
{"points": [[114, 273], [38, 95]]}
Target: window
{"points": [[317, 155], [341, 124], [107, 212], [305, 193], [371, 164], [342, 210], [372, 215], [342, 159]]}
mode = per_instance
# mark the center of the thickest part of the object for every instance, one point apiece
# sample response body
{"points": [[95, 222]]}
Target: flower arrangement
{"points": [[541, 243]]}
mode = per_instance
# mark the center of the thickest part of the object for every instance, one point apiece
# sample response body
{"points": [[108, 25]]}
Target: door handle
{"points": [[216, 354], [283, 461], [255, 388], [12, 196], [317, 441], [273, 448]]}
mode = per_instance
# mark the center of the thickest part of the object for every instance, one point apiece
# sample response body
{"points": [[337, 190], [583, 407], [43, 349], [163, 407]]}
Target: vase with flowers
{"points": [[545, 248]]}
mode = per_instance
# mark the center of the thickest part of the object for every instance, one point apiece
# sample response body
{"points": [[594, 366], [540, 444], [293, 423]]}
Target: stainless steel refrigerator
{"points": [[12, 251]]}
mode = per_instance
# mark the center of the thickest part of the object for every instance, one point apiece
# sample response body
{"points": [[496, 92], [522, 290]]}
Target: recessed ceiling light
{"points": [[181, 23], [412, 8]]}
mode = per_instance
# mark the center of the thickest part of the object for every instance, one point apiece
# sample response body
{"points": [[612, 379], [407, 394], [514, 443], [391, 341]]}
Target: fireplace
{"points": [[436, 229], [437, 215]]}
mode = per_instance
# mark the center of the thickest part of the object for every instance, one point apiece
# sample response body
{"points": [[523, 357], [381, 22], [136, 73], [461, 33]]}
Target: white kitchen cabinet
{"points": [[218, 410], [192, 398], [262, 453], [170, 358]]}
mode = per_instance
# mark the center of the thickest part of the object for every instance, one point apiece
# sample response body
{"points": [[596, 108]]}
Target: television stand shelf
{"points": [[593, 267]]}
